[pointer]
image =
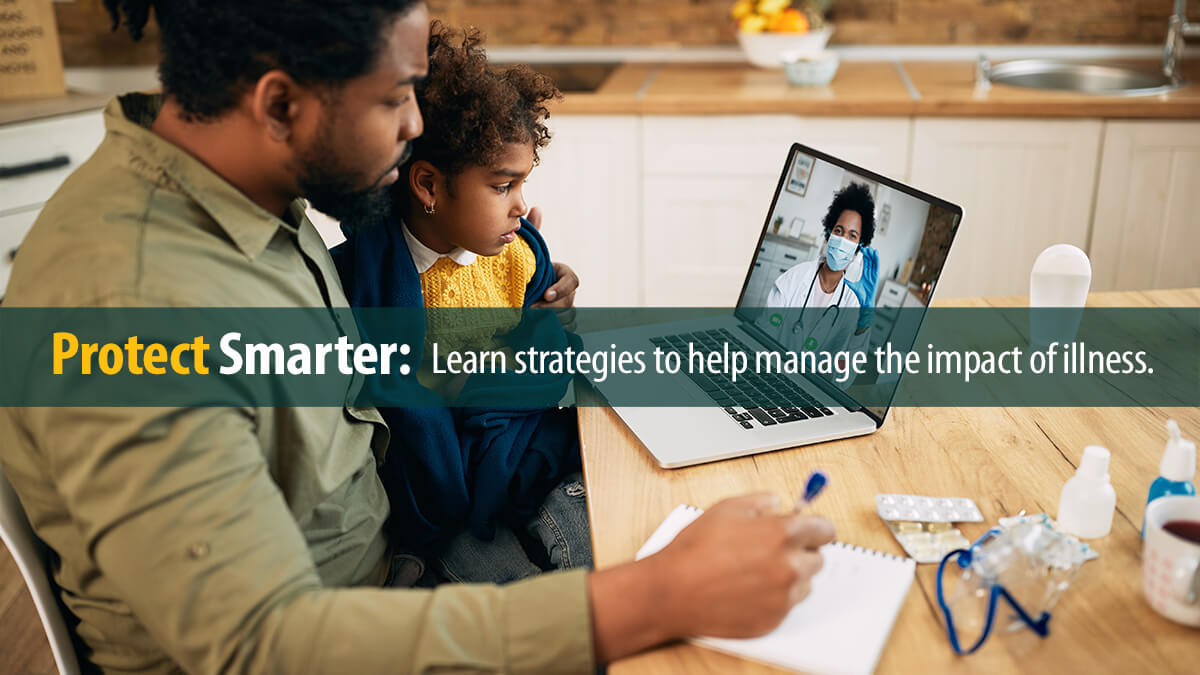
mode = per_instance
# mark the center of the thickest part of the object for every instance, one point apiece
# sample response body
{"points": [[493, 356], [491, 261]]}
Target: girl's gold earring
{"points": [[430, 209]]}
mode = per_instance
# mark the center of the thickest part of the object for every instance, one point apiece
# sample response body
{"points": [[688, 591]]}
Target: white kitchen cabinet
{"points": [[73, 137], [776, 255], [1023, 185], [1146, 231], [13, 228], [707, 185], [589, 188]]}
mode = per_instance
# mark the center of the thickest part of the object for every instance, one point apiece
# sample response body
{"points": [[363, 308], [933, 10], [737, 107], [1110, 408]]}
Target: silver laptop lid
{"points": [[855, 245]]}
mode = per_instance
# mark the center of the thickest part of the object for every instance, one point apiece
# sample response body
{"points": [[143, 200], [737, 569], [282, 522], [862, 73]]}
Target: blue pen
{"points": [[816, 482]]}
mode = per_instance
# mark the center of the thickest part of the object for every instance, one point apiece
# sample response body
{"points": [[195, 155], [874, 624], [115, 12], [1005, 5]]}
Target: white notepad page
{"points": [[841, 627]]}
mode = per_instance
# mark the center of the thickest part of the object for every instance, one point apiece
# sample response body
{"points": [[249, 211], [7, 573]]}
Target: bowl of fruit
{"points": [[769, 29]]}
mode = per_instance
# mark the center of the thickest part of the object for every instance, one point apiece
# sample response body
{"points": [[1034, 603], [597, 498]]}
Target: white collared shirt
{"points": [[424, 257]]}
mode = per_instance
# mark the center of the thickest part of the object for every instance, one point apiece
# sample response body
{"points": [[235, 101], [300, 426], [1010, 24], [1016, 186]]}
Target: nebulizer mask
{"points": [[1020, 569]]}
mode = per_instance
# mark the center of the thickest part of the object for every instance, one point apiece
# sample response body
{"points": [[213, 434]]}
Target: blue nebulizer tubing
{"points": [[1041, 625], [1027, 563]]}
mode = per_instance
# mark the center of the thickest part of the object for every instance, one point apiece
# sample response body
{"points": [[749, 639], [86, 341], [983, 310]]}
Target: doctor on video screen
{"points": [[823, 284]]}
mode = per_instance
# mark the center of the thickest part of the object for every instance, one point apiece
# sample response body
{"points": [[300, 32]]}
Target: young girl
{"points": [[457, 238]]}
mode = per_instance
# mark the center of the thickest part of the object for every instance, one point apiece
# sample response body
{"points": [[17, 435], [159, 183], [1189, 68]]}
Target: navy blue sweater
{"points": [[449, 468]]}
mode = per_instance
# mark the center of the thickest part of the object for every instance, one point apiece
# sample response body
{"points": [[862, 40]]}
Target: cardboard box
{"points": [[30, 57]]}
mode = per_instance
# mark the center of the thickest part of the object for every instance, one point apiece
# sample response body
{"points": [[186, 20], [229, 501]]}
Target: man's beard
{"points": [[331, 190], [353, 208]]}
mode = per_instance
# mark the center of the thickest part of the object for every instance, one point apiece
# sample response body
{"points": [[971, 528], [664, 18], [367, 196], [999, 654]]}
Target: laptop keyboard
{"points": [[749, 401]]}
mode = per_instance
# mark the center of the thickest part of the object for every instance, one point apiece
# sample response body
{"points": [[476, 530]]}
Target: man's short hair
{"points": [[213, 51]]}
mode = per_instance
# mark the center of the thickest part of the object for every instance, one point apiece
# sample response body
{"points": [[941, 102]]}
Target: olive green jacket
{"points": [[214, 540]]}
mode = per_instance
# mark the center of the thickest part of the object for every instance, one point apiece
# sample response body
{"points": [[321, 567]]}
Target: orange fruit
{"points": [[790, 21]]}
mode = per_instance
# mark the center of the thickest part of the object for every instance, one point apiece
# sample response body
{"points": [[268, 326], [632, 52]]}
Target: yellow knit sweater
{"points": [[491, 281]]}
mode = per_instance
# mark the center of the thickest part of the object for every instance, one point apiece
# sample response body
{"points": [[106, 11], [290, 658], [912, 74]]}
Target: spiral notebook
{"points": [[841, 627]]}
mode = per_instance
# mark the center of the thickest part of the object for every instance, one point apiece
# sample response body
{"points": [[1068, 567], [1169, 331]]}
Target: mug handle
{"points": [[1186, 579]]}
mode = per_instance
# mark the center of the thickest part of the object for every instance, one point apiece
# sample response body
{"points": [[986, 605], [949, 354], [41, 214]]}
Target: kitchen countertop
{"points": [[862, 88], [25, 110], [87, 89], [908, 86]]}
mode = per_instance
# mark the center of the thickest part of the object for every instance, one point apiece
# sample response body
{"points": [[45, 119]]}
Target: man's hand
{"points": [[562, 294], [735, 572], [741, 566]]}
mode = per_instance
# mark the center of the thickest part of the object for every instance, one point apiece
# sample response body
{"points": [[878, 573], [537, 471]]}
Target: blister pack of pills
{"points": [[919, 509], [927, 542], [924, 526]]}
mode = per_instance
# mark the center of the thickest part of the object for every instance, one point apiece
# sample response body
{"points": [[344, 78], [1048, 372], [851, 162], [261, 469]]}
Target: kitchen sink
{"points": [[1087, 78], [573, 77]]}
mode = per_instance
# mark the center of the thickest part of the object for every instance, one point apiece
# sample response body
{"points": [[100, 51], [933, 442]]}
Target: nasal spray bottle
{"points": [[1088, 500], [1176, 470]]}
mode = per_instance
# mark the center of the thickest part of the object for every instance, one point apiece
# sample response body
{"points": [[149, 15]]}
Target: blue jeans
{"points": [[557, 537]]}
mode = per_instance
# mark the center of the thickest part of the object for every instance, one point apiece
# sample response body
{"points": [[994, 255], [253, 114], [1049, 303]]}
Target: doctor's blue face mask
{"points": [[839, 252]]}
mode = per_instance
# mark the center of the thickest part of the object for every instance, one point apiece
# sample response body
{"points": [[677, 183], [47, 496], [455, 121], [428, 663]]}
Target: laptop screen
{"points": [[842, 250]]}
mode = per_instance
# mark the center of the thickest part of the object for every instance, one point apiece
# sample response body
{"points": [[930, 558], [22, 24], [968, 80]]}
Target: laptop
{"points": [[911, 238]]}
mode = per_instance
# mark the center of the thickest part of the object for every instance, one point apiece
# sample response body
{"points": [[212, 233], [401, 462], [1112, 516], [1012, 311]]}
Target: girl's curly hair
{"points": [[472, 111]]}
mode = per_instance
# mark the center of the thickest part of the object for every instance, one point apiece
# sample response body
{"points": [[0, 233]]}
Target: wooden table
{"points": [[1006, 459]]}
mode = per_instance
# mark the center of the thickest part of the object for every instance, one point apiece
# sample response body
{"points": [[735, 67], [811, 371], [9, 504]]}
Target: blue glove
{"points": [[864, 288]]}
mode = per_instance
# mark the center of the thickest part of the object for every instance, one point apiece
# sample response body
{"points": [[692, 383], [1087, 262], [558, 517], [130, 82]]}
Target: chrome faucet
{"points": [[1177, 29], [983, 74]]}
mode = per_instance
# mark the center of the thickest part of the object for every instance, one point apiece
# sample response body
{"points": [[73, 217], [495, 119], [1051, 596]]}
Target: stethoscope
{"points": [[810, 343]]}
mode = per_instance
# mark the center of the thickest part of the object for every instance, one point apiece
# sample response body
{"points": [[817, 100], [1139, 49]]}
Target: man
{"points": [[250, 539]]}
